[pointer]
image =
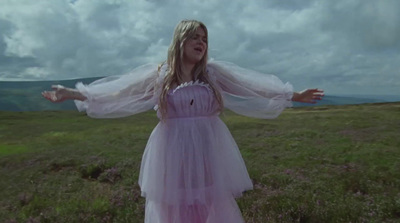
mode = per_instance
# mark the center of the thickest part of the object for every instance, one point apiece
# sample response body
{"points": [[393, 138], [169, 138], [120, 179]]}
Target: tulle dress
{"points": [[192, 169]]}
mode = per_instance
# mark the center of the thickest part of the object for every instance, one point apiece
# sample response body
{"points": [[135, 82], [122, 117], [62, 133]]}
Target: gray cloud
{"points": [[346, 46]]}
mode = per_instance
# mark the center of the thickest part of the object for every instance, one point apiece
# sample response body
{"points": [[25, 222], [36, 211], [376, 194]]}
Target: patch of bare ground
{"points": [[365, 135], [266, 190]]}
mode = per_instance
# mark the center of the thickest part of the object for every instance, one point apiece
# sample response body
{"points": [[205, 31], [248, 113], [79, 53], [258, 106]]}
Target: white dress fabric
{"points": [[191, 168]]}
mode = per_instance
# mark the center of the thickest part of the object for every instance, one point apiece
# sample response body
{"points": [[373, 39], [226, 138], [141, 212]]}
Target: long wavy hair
{"points": [[174, 75]]}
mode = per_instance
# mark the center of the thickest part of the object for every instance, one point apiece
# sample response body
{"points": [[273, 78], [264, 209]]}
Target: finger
{"points": [[47, 97], [56, 86], [45, 94], [316, 90], [319, 94]]}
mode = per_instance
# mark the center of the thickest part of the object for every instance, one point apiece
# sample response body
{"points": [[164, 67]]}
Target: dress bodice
{"points": [[191, 99]]}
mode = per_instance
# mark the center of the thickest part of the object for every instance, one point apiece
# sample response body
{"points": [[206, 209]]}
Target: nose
{"points": [[201, 42]]}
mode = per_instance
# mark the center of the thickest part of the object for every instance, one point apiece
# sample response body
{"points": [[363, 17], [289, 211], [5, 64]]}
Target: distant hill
{"points": [[348, 100], [26, 96]]}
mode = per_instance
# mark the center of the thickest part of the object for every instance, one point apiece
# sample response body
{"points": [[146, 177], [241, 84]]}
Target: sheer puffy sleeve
{"points": [[248, 92], [120, 96]]}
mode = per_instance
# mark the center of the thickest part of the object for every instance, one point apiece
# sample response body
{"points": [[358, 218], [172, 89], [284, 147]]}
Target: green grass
{"points": [[316, 164]]}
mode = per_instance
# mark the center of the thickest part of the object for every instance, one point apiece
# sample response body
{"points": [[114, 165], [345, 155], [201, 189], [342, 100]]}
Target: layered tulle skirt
{"points": [[191, 172]]}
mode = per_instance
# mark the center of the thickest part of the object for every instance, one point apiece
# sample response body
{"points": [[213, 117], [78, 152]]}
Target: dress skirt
{"points": [[191, 172]]}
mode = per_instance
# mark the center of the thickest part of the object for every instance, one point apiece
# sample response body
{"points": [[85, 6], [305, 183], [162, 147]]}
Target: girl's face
{"points": [[195, 47]]}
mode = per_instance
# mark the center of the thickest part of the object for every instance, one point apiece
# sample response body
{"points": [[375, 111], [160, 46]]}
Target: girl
{"points": [[191, 168]]}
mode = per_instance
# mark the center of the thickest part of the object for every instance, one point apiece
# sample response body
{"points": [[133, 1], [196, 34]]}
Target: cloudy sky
{"points": [[342, 46]]}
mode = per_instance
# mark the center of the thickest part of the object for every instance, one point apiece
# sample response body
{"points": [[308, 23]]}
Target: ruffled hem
{"points": [[223, 210], [192, 83]]}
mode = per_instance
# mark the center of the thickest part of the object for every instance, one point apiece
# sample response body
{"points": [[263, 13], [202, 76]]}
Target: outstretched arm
{"points": [[61, 93], [113, 96], [308, 96]]}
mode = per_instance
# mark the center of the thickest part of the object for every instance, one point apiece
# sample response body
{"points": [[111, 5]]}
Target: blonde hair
{"points": [[174, 75]]}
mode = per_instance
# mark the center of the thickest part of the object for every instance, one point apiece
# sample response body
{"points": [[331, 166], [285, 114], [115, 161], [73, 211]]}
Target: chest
{"points": [[190, 99]]}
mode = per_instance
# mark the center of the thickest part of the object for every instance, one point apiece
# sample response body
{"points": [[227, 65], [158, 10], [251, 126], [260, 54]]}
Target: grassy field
{"points": [[316, 164]]}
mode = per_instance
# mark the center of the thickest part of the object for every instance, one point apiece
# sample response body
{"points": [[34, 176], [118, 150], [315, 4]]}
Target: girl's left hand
{"points": [[308, 96]]}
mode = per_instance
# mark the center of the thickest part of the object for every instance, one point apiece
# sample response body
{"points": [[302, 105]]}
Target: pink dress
{"points": [[191, 168]]}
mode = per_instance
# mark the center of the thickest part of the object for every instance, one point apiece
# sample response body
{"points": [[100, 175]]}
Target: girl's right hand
{"points": [[59, 94]]}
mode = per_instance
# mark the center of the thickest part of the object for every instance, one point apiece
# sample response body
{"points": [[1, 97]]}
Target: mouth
{"points": [[198, 49]]}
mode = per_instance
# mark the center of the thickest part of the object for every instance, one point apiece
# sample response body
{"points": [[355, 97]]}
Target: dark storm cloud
{"points": [[11, 65]]}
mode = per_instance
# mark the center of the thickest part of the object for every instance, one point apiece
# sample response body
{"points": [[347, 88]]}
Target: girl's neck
{"points": [[187, 69]]}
